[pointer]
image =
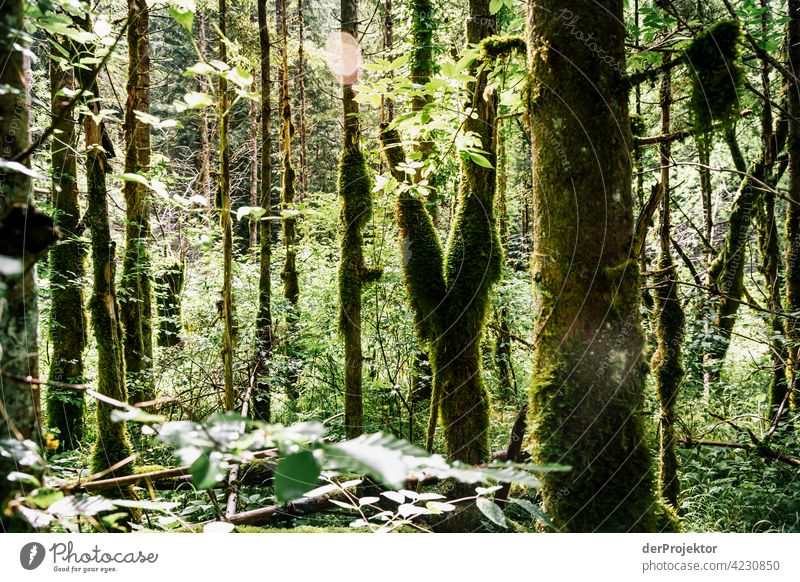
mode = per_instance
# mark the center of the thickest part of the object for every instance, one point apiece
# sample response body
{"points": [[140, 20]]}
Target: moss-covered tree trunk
{"points": [[226, 224], [261, 398], [291, 287], [136, 283], [726, 274], [793, 209], [301, 90], [502, 346], [169, 286], [112, 444], [67, 323], [355, 200], [588, 372], [667, 362], [450, 292], [25, 235], [205, 145]]}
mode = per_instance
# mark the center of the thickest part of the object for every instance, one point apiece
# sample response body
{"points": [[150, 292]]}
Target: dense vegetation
{"points": [[412, 265]]}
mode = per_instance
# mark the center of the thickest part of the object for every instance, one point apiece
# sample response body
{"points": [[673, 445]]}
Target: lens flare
{"points": [[343, 55]]}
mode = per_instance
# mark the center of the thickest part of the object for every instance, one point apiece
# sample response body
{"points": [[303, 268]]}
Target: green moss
{"points": [[303, 529], [497, 47], [667, 368], [715, 57], [638, 125]]}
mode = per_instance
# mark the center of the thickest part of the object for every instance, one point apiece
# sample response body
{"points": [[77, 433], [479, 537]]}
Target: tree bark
{"points": [[112, 444], [588, 372], [793, 209], [355, 199], [667, 362], [136, 283], [67, 313], [225, 219], [264, 339]]}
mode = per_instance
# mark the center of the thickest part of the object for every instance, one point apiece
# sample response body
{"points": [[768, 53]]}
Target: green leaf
{"points": [[239, 77], [492, 512], [479, 159], [45, 497], [295, 475], [495, 6], [25, 478], [129, 177], [535, 511], [199, 69], [196, 100], [80, 505], [183, 13], [205, 470], [378, 455]]}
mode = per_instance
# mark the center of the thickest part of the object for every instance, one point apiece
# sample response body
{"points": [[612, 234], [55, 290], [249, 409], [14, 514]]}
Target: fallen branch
{"points": [[761, 451], [153, 476]]}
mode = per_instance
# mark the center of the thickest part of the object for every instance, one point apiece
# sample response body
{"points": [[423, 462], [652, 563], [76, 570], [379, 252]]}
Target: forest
{"points": [[400, 266]]}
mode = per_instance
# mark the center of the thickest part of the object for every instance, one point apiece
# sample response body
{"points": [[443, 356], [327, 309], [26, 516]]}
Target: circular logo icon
{"points": [[31, 555]]}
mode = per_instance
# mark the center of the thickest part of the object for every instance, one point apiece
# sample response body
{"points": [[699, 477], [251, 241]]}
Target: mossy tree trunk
{"points": [[588, 373], [726, 274], [205, 145], [25, 235], [301, 90], [67, 314], [502, 346], [449, 291], [355, 200], [291, 285], [793, 209], [264, 340], [169, 286], [136, 282], [112, 444], [291, 288], [667, 362], [226, 224], [769, 244]]}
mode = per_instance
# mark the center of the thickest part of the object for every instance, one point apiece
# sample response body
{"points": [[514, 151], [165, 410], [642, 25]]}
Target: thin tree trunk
{"points": [[264, 340], [301, 88], [205, 145], [355, 199], [112, 444], [225, 220], [502, 347], [136, 284], [793, 209], [254, 198], [67, 314], [667, 362]]}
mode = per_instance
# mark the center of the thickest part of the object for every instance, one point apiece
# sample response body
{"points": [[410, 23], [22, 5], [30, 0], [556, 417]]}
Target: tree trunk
{"points": [[136, 285], [112, 444], [588, 373], [301, 88], [169, 286], [450, 294], [264, 340], [502, 346], [67, 313], [291, 290], [205, 145], [667, 362], [793, 209], [226, 310], [355, 199], [25, 236]]}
